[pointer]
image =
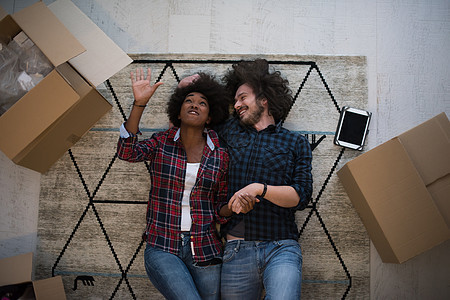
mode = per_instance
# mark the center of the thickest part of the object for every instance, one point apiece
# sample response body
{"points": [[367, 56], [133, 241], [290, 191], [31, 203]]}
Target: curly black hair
{"points": [[215, 92], [265, 84]]}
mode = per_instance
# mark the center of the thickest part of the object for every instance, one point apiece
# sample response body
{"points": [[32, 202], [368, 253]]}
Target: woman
{"points": [[188, 172]]}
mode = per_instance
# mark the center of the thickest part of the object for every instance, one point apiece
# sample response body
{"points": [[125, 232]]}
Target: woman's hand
{"points": [[244, 200], [142, 88]]}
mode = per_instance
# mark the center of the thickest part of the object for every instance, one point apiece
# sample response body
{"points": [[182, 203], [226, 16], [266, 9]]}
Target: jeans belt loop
{"points": [[238, 245]]}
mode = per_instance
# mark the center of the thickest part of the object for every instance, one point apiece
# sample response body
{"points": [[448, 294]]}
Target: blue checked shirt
{"points": [[274, 156]]}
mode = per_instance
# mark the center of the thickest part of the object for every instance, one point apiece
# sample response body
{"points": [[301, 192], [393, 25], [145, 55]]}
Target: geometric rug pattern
{"points": [[92, 205]]}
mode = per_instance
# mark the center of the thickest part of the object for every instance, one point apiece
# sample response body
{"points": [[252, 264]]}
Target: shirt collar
{"points": [[271, 128], [209, 142]]}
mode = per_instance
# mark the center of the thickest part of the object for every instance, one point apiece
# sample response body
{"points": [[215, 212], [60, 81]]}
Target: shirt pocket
{"points": [[204, 221], [276, 161], [210, 174], [237, 147]]}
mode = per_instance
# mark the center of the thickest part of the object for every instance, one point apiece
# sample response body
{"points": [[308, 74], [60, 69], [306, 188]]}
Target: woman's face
{"points": [[194, 110]]}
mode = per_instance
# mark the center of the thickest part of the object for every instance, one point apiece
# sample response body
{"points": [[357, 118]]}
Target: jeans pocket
{"points": [[209, 263], [287, 243], [231, 248], [289, 246]]}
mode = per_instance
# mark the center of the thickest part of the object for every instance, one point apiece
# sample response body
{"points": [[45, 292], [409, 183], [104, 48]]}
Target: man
{"points": [[269, 180]]}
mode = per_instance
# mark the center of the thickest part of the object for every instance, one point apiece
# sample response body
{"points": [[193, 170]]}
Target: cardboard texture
{"points": [[94, 64], [48, 33], [42, 125], [18, 269], [401, 190]]}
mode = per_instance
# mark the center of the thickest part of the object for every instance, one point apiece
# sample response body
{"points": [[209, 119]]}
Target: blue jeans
{"points": [[249, 266], [176, 277]]}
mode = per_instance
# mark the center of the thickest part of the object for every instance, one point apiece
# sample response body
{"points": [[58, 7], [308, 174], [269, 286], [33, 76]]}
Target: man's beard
{"points": [[253, 117]]}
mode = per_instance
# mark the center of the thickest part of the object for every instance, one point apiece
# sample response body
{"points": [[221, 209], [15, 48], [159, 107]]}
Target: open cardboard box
{"points": [[42, 125], [401, 190], [17, 270]]}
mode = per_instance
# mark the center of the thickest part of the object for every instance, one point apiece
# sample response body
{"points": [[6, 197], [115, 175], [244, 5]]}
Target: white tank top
{"points": [[189, 182]]}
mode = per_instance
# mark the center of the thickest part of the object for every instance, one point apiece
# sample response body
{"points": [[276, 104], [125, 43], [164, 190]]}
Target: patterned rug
{"points": [[92, 205]]}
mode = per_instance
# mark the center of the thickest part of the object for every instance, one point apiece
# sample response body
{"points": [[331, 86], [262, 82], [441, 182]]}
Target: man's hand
{"points": [[188, 80], [244, 200], [142, 89]]}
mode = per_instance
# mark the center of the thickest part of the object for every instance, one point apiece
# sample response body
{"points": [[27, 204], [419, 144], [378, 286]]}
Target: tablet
{"points": [[352, 128]]}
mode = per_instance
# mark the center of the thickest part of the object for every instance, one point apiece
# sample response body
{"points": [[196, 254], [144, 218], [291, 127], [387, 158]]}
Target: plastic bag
{"points": [[10, 89], [33, 61], [22, 66]]}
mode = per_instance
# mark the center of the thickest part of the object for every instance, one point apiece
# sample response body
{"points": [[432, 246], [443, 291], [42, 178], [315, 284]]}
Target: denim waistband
{"points": [[242, 243]]}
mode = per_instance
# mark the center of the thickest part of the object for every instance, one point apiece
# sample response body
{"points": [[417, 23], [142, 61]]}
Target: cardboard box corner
{"points": [[399, 202], [19, 271], [36, 131]]}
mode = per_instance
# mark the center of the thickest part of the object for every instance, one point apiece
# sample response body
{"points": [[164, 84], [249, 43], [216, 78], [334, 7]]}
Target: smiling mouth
{"points": [[241, 111], [193, 112]]}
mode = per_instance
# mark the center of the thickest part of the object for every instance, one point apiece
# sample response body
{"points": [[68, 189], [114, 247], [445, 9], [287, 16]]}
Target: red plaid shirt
{"points": [[167, 162]]}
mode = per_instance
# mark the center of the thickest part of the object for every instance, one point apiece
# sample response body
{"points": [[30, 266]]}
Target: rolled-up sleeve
{"points": [[131, 150], [302, 179]]}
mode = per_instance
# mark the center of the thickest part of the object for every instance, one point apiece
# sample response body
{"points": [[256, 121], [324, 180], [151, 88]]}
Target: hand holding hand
{"points": [[142, 88], [244, 200]]}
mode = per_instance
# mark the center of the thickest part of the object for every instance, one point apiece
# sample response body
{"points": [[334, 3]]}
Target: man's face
{"points": [[248, 109]]}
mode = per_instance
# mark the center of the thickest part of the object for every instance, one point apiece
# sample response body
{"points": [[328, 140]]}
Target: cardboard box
{"points": [[401, 190], [18, 269], [37, 130]]}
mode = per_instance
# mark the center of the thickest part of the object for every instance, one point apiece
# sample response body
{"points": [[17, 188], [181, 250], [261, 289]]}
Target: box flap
{"points": [[16, 269], [440, 191], [364, 211], [72, 77], [395, 194], [49, 289], [66, 132], [34, 113], [48, 33], [103, 57], [428, 146], [68, 129]]}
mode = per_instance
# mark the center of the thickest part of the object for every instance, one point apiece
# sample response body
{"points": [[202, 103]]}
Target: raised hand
{"points": [[143, 90]]}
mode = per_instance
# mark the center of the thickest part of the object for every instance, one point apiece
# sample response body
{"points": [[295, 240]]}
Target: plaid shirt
{"points": [[168, 160], [274, 156]]}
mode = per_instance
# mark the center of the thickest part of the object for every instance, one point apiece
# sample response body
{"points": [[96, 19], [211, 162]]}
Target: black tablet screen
{"points": [[353, 128]]}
